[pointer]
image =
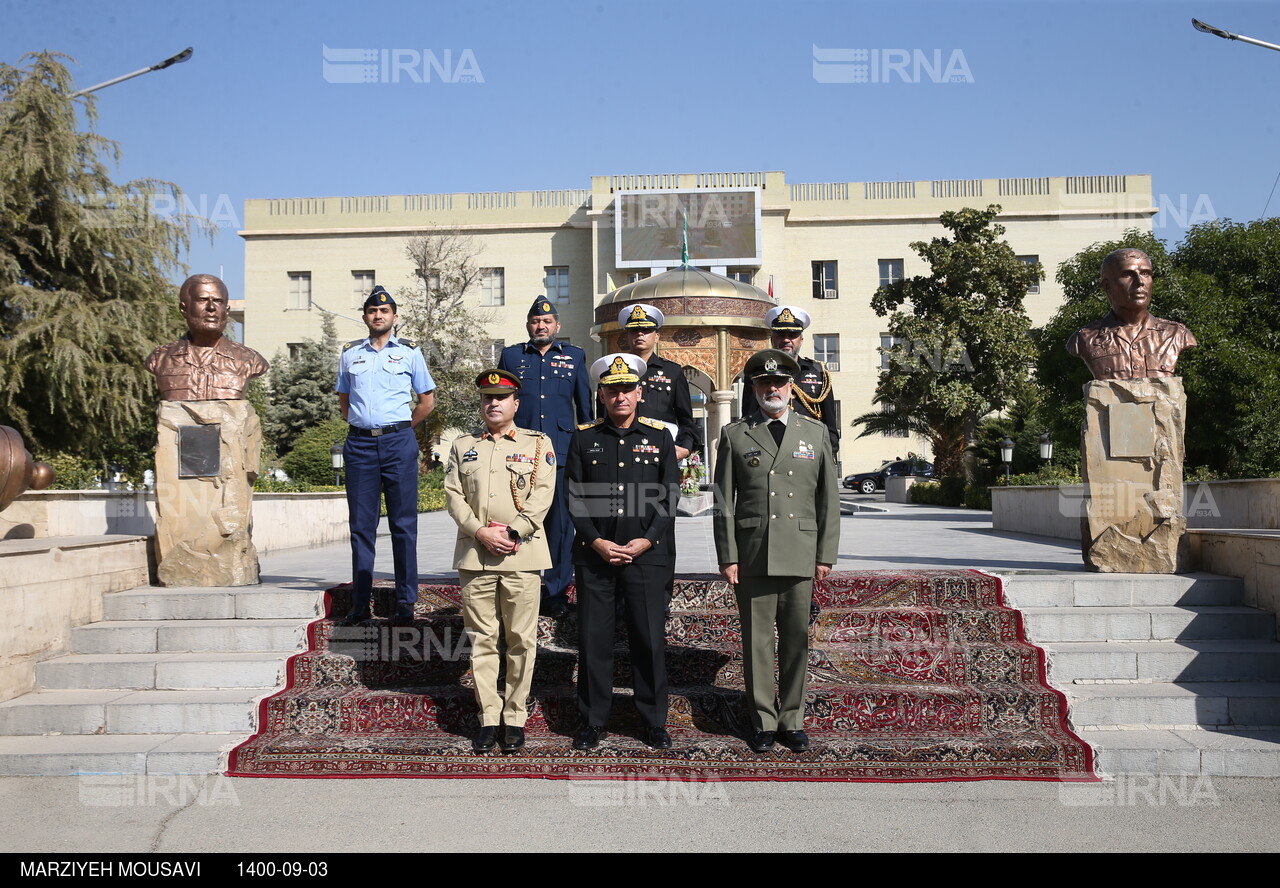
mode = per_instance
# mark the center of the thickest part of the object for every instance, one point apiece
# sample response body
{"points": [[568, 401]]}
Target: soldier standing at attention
{"points": [[500, 484], [623, 486], [557, 396], [778, 531], [811, 393], [377, 381]]}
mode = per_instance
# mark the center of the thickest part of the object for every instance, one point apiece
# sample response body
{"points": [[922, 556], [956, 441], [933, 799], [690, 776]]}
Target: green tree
{"points": [[302, 394], [962, 347], [451, 334], [85, 271]]}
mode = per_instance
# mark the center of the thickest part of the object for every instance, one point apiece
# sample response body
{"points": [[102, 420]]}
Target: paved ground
{"points": [[1133, 813]]}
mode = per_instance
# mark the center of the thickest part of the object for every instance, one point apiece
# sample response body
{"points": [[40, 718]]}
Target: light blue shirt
{"points": [[380, 385]]}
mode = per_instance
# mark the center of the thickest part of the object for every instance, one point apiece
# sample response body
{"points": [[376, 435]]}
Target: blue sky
{"points": [[572, 89]]}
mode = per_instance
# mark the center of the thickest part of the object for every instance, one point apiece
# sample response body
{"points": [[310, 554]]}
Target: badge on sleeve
{"points": [[551, 458]]}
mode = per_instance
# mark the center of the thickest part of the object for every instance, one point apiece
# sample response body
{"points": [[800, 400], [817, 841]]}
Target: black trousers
{"points": [[642, 588]]}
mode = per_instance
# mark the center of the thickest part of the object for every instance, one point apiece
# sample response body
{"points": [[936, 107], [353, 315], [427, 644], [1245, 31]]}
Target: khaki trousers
{"points": [[506, 603], [763, 603]]}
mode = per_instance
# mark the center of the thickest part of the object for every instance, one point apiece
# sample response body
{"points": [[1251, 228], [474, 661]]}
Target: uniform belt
{"points": [[373, 433]]}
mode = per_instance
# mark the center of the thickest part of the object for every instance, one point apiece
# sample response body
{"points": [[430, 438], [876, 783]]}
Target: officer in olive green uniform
{"points": [[778, 529], [500, 484]]}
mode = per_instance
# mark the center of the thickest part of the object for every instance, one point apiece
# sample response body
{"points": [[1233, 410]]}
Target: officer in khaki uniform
{"points": [[498, 489], [778, 530]]}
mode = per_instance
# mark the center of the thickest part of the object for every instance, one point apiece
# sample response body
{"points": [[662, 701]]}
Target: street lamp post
{"points": [[1006, 457], [1046, 448], [159, 66], [1227, 35], [335, 456]]}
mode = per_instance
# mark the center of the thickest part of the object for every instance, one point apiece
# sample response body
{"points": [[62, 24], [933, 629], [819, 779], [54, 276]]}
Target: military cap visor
{"points": [[497, 382], [771, 362], [379, 296], [787, 318]]}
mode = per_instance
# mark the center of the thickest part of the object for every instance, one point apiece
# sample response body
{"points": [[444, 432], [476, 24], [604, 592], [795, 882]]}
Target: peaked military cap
{"points": [[379, 296], [497, 382], [618, 368], [787, 317], [771, 362], [640, 317]]}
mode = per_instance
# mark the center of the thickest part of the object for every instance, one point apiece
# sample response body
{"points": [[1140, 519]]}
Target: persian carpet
{"points": [[919, 675]]}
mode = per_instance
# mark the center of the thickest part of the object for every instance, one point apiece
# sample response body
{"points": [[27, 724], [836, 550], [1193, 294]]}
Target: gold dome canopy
{"points": [[688, 297]]}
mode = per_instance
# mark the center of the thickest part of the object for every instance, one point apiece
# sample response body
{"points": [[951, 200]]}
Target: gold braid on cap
{"points": [[813, 404], [533, 476]]}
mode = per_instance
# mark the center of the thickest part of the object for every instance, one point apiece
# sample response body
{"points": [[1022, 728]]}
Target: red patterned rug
{"points": [[921, 675]]}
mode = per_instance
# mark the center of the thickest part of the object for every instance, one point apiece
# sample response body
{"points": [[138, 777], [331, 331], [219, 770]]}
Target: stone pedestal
{"points": [[1132, 455], [204, 495]]}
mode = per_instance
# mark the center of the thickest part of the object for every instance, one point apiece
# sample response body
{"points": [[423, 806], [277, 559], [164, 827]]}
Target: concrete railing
{"points": [[280, 520]]}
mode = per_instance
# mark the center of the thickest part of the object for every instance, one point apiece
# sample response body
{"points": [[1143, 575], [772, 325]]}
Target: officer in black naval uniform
{"points": [[622, 486], [555, 397], [811, 393], [665, 396]]}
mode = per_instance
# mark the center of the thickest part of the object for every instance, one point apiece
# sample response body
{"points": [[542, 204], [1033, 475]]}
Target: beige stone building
{"points": [[824, 247]]}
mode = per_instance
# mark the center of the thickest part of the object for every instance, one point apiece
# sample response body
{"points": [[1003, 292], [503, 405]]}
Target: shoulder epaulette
{"points": [[657, 424], [590, 425], [411, 343], [352, 343]]}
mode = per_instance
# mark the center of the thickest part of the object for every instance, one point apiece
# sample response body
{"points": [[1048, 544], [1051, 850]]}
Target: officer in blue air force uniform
{"points": [[554, 397], [377, 381]]}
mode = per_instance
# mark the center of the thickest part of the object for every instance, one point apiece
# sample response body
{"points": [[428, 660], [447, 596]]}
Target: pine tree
{"points": [[302, 394], [85, 274]]}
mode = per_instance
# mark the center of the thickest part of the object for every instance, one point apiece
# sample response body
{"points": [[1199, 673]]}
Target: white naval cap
{"points": [[786, 317], [618, 368], [640, 317]]}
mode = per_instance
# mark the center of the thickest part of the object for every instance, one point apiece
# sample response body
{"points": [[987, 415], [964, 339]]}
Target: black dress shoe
{"points": [[486, 739], [353, 619], [796, 741], [761, 741], [657, 738], [589, 737], [512, 738], [402, 619]]}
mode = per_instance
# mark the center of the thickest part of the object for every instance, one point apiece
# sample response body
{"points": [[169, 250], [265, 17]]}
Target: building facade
{"points": [[825, 247]]}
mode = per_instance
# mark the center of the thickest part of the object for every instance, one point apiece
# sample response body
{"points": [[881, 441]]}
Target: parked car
{"points": [[870, 482]]}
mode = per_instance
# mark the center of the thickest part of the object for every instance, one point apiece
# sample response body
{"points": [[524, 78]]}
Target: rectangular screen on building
{"points": [[724, 226]]}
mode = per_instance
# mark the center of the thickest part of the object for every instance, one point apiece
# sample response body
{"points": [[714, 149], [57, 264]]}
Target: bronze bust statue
{"points": [[1130, 342], [204, 365]]}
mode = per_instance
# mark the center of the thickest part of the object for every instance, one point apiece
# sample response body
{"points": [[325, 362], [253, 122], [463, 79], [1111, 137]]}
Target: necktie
{"points": [[777, 428]]}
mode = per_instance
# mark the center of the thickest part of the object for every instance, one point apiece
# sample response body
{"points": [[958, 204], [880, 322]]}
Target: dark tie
{"points": [[777, 428]]}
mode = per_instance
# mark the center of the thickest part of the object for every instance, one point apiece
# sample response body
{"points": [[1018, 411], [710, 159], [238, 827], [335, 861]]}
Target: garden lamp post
{"points": [[335, 456], [1046, 448], [1006, 456]]}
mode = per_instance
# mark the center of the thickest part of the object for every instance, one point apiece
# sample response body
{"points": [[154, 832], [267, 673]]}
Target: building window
{"points": [[634, 276], [824, 280], [300, 290], [295, 350], [556, 282], [902, 433], [888, 344], [361, 286], [745, 275], [826, 348], [890, 271], [1034, 289], [492, 289]]}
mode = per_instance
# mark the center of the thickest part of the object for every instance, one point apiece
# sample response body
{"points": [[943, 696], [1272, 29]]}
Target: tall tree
{"points": [[452, 334], [85, 271], [302, 389], [962, 349]]}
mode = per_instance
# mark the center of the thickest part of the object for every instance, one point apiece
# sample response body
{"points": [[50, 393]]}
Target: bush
{"points": [[977, 496], [72, 472], [310, 461], [1060, 474], [926, 493]]}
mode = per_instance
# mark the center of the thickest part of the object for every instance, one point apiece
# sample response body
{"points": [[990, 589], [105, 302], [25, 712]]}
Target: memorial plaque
{"points": [[199, 451], [1132, 429]]}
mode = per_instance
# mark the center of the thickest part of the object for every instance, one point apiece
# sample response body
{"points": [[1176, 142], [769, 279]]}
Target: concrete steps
{"points": [[165, 684], [1165, 674]]}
